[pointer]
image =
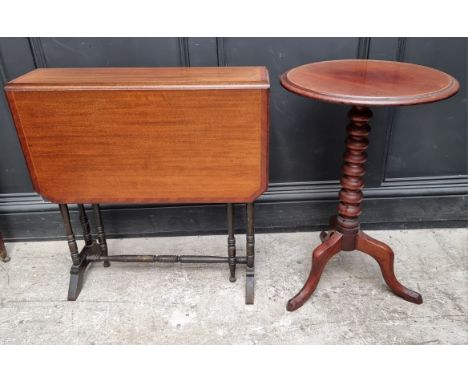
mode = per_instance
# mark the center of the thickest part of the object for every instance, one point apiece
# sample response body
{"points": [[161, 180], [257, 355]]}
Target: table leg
{"points": [[79, 260], [250, 266], [3, 252], [324, 252], [384, 256], [87, 237], [345, 233], [231, 242]]}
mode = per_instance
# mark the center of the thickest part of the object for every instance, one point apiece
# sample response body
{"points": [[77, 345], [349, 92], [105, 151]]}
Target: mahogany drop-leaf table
{"points": [[145, 135], [361, 84]]}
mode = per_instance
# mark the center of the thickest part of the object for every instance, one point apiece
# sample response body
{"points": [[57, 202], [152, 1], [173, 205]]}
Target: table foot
{"points": [[95, 249], [324, 252], [4, 256], [345, 233], [249, 286], [334, 242], [384, 256], [76, 280], [3, 252]]}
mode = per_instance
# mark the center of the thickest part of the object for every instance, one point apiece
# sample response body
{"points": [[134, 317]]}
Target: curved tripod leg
{"points": [[320, 257], [384, 256]]}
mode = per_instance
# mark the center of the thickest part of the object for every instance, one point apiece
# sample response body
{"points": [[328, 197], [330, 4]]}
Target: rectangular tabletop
{"points": [[159, 135]]}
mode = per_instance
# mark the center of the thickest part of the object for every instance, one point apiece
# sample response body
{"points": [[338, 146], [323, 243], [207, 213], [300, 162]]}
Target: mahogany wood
{"points": [[176, 78], [320, 257], [384, 256], [159, 135], [250, 252], [361, 83], [344, 234]]}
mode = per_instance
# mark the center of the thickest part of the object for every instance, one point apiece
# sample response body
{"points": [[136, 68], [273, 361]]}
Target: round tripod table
{"points": [[361, 84]]}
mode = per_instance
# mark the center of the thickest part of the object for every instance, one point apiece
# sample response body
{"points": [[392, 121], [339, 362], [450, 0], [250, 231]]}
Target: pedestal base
{"points": [[335, 241]]}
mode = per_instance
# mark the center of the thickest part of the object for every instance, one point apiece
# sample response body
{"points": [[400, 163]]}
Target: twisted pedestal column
{"points": [[345, 234]]}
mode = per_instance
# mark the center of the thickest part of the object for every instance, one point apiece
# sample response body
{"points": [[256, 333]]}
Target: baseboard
{"points": [[271, 216]]}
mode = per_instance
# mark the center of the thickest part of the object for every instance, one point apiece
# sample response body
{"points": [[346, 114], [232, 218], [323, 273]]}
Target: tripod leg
{"points": [[384, 256], [85, 225], [320, 257], [79, 264]]}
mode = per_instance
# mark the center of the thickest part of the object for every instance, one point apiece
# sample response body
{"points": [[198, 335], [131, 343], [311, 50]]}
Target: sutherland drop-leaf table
{"points": [[145, 135]]}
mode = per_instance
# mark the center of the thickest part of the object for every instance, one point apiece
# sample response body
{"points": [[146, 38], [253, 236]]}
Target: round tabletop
{"points": [[370, 82]]}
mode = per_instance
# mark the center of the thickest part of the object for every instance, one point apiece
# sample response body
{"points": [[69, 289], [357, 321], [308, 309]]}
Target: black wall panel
{"points": [[417, 171], [304, 134], [15, 59], [73, 52]]}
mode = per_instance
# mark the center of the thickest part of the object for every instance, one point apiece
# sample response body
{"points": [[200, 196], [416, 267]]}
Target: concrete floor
{"points": [[193, 304]]}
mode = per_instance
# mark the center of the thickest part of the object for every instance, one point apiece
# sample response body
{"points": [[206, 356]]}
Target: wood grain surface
{"points": [[370, 82], [243, 77], [135, 144]]}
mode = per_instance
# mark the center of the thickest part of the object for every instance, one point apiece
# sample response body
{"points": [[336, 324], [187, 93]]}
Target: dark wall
{"points": [[417, 171]]}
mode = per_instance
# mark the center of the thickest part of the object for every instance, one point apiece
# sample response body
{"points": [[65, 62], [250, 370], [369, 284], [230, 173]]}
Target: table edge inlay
{"points": [[450, 90]]}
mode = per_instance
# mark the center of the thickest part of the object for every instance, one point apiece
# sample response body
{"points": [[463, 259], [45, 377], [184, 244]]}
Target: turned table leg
{"points": [[231, 243], [3, 252], [79, 260], [101, 235], [250, 252], [345, 233], [320, 257], [87, 237]]}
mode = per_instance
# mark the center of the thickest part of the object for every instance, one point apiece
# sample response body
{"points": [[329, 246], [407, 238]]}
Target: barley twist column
{"points": [[353, 171]]}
